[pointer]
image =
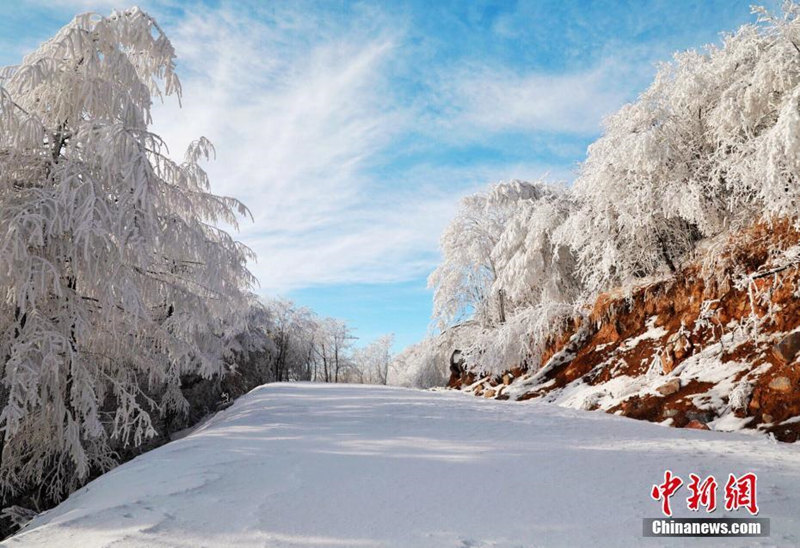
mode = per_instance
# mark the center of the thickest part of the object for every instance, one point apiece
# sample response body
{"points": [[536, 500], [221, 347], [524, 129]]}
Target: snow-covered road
{"points": [[327, 465]]}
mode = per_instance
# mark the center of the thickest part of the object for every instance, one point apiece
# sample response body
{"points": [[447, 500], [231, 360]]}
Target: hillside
{"points": [[310, 465], [685, 350], [662, 282]]}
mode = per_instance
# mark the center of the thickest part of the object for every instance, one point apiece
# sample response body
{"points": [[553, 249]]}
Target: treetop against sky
{"points": [[350, 129]]}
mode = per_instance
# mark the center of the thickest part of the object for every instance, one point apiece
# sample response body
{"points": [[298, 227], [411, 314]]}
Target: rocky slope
{"points": [[713, 347]]}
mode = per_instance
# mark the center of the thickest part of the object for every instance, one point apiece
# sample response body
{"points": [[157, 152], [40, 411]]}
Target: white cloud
{"points": [[79, 6], [495, 99], [382, 245]]}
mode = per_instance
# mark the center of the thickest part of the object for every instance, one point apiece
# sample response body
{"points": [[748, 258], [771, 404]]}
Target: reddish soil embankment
{"points": [[715, 346]]}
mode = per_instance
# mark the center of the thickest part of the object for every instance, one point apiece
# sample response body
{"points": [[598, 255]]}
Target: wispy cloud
{"points": [[298, 123], [80, 5], [496, 99]]}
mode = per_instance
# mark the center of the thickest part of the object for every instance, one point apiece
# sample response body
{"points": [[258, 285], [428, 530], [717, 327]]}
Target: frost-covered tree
{"points": [[372, 361], [464, 281], [115, 280], [708, 147], [421, 365], [643, 184], [538, 279], [292, 330], [756, 121], [525, 278], [249, 362], [533, 265], [334, 340], [306, 347]]}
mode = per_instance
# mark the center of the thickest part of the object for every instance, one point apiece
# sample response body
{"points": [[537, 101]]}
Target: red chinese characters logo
{"points": [[739, 493], [664, 491], [703, 494]]}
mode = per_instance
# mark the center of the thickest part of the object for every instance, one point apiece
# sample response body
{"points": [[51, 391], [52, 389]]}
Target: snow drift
{"points": [[345, 465]]}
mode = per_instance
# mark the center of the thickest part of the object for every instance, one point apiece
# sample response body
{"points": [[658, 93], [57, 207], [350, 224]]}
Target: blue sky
{"points": [[351, 129]]}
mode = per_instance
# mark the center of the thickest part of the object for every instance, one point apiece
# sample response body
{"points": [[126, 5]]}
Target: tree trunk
{"points": [[336, 363]]}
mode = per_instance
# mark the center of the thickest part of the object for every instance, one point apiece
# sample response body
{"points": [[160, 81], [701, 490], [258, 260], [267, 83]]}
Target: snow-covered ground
{"points": [[326, 465]]}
